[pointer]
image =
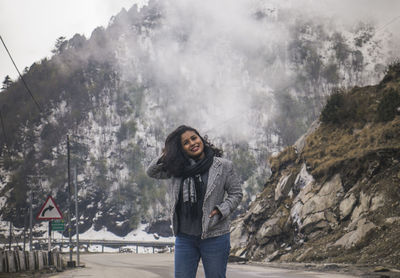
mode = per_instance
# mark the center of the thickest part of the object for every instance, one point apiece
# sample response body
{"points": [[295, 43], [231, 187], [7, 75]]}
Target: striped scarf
{"points": [[192, 183]]}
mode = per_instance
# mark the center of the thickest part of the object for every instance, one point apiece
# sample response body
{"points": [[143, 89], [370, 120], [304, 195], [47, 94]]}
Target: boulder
{"points": [[272, 256], [377, 202], [305, 184], [361, 209], [256, 209], [238, 235], [305, 254], [268, 229], [273, 227], [240, 252], [392, 220], [314, 221], [332, 187], [347, 206], [312, 208], [283, 187], [331, 217], [353, 238], [302, 179]]}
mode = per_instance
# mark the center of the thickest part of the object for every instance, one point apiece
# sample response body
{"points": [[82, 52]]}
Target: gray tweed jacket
{"points": [[223, 192]]}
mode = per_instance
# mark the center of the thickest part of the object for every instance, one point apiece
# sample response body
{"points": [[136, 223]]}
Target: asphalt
{"points": [[161, 265]]}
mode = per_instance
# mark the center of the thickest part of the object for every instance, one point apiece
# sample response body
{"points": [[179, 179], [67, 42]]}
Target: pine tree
{"points": [[60, 45], [7, 83]]}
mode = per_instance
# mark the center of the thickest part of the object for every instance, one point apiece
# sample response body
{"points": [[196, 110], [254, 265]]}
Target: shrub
{"points": [[392, 73], [334, 110], [388, 105], [126, 131]]}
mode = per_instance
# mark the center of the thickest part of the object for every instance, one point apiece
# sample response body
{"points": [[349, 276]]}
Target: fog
{"points": [[218, 65], [203, 59], [30, 28]]}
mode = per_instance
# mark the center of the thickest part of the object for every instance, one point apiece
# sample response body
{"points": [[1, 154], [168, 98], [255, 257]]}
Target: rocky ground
{"points": [[333, 197], [349, 269]]}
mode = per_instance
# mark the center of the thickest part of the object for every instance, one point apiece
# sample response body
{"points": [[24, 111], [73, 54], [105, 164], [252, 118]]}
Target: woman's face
{"points": [[192, 144]]}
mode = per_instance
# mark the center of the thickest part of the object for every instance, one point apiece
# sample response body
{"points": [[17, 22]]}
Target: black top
{"points": [[187, 224]]}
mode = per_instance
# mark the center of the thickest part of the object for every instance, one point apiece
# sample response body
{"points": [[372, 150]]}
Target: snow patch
{"points": [[137, 235]]}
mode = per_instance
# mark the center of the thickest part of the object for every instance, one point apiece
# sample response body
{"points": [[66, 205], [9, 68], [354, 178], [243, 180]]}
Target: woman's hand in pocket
{"points": [[214, 212]]}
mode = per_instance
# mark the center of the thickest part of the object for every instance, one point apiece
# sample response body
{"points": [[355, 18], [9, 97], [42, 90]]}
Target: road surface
{"points": [[161, 266]]}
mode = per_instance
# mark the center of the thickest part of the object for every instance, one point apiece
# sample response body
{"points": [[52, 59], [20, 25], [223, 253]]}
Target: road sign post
{"points": [[49, 244], [49, 211], [58, 225]]}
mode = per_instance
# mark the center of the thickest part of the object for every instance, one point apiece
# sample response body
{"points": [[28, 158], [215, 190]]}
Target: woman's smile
{"points": [[195, 148]]}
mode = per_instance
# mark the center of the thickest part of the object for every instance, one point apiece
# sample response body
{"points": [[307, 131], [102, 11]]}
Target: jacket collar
{"points": [[213, 173]]}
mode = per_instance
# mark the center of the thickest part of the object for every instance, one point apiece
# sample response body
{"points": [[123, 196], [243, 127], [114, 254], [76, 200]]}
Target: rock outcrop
{"points": [[334, 195]]}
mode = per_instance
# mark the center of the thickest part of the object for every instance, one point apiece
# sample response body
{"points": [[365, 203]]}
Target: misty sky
{"points": [[30, 28], [240, 61]]}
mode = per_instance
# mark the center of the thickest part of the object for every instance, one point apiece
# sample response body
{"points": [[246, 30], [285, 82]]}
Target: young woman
{"points": [[205, 191]]}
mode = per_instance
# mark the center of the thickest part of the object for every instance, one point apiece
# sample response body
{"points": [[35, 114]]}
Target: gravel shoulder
{"points": [[348, 269]]}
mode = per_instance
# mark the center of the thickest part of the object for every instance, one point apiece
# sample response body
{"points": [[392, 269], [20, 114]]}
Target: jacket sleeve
{"points": [[234, 192], [156, 169]]}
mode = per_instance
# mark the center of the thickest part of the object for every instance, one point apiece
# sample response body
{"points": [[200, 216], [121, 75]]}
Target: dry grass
{"points": [[329, 145], [285, 157]]}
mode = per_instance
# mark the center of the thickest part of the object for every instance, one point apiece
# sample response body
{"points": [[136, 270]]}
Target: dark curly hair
{"points": [[174, 158]]}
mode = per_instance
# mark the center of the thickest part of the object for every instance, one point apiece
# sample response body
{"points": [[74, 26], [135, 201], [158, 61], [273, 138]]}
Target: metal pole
{"points": [[49, 244], [69, 202], [9, 245], [30, 221], [76, 216], [25, 223], [24, 233]]}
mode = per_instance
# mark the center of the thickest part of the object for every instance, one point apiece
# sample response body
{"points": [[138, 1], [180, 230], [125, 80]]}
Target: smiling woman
{"points": [[205, 190]]}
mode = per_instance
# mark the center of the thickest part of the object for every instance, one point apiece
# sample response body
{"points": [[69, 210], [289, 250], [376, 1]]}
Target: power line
{"points": [[23, 80], [385, 25]]}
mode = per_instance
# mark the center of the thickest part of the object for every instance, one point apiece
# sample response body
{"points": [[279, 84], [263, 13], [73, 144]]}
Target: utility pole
{"points": [[9, 244], [76, 217], [24, 233], [25, 224], [70, 263], [30, 220]]}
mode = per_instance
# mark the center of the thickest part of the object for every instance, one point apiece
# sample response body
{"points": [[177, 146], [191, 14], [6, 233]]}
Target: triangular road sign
{"points": [[49, 210]]}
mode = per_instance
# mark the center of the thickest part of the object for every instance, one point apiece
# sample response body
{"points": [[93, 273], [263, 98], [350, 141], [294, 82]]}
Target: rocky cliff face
{"points": [[334, 195]]}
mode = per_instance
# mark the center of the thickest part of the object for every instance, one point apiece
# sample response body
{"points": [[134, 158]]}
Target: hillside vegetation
{"points": [[334, 195]]}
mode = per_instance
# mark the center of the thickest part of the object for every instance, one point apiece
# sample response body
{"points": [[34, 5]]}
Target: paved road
{"points": [[161, 265]]}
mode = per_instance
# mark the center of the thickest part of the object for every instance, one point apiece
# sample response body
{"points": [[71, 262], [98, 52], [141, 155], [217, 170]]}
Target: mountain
{"points": [[334, 196], [252, 75]]}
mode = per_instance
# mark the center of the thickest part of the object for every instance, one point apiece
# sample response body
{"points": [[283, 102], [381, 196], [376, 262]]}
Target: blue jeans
{"points": [[213, 252]]}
